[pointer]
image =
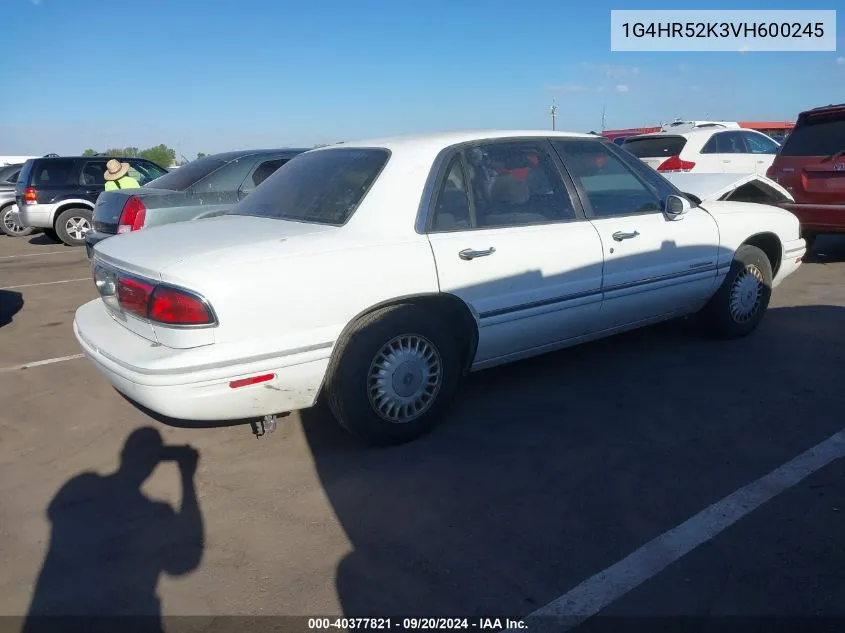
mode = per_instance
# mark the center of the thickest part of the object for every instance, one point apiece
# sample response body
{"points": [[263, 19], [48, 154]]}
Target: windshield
{"points": [[816, 136], [187, 175], [655, 146], [324, 187]]}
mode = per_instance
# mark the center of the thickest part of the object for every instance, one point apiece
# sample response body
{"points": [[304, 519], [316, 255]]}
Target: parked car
{"points": [[811, 166], [58, 193], [9, 222], [689, 126], [202, 187], [373, 275], [710, 150]]}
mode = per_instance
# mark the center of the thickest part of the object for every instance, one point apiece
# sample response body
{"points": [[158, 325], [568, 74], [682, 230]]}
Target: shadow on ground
{"points": [[11, 303], [109, 543], [43, 239], [548, 471]]}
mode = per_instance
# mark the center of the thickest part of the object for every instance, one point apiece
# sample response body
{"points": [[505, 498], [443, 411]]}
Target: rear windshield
{"points": [[187, 175], [324, 187], [655, 146], [52, 173], [9, 173], [816, 136]]}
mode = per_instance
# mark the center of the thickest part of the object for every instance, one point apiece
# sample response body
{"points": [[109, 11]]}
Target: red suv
{"points": [[811, 166]]}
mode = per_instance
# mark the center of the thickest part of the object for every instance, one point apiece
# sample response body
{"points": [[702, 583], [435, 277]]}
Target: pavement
{"points": [[604, 476]]}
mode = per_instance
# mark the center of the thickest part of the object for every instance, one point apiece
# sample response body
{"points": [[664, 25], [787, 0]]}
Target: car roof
{"points": [[241, 153], [442, 140], [692, 134]]}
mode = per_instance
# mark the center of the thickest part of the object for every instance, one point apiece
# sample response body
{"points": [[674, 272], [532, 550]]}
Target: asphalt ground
{"points": [[594, 480]]}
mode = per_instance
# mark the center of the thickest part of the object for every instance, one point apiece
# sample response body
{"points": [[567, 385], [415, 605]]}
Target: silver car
{"points": [[202, 187]]}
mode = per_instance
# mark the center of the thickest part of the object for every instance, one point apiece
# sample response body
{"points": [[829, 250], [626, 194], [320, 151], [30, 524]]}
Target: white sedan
{"points": [[374, 275]]}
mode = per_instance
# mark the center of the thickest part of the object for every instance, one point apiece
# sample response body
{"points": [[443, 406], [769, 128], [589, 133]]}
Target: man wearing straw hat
{"points": [[117, 178]]}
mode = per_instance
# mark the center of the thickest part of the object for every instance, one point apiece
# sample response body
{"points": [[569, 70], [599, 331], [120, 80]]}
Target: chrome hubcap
{"points": [[746, 294], [77, 227], [404, 378], [10, 224]]}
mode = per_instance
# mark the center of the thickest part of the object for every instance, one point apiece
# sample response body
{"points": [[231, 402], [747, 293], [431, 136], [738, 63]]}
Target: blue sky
{"points": [[211, 75]]}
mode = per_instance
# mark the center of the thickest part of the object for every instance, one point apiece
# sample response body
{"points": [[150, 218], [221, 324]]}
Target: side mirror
{"points": [[677, 207]]}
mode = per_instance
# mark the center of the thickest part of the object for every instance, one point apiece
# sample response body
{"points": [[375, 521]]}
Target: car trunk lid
{"points": [[110, 205], [151, 251]]}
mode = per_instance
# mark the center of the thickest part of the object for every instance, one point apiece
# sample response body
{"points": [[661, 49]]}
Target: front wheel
{"points": [[395, 373], [9, 227], [738, 306], [72, 225]]}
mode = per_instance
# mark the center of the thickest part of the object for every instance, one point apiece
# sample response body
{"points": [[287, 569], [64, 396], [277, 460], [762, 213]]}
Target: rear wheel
{"points": [[738, 306], [72, 225], [11, 228], [395, 374]]}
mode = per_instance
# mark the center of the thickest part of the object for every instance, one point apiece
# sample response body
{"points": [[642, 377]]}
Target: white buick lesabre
{"points": [[374, 275]]}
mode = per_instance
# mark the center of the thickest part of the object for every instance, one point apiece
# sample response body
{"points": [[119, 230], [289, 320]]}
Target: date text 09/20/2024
{"points": [[415, 624]]}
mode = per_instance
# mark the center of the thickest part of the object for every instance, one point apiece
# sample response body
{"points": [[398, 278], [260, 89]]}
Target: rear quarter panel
{"points": [[302, 293]]}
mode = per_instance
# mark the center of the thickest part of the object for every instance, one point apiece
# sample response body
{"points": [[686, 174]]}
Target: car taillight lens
{"points": [[145, 299], [133, 215], [30, 196], [675, 164], [134, 296], [168, 305]]}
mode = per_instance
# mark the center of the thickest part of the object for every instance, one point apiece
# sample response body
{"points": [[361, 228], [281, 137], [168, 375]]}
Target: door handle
{"points": [[621, 235], [469, 253], [726, 161]]}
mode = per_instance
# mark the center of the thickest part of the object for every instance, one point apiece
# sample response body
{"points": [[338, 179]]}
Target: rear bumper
{"points": [[93, 237], [39, 216], [819, 218], [199, 393]]}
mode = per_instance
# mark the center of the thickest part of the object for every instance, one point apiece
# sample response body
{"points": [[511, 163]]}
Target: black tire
{"points": [[70, 225], [12, 230], [723, 317], [52, 235], [349, 384], [810, 239]]}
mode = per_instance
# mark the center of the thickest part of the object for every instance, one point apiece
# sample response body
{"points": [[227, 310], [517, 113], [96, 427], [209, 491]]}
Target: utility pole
{"points": [[553, 112], [603, 119]]}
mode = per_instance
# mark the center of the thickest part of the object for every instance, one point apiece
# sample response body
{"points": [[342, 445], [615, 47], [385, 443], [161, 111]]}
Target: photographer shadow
{"points": [[110, 543]]}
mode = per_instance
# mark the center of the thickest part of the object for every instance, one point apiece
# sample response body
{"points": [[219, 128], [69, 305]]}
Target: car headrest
{"points": [[509, 190]]}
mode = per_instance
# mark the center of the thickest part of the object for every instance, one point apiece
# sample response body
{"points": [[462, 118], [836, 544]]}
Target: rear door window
{"points": [[264, 170], [731, 143], [93, 174], [820, 135], [655, 146]]}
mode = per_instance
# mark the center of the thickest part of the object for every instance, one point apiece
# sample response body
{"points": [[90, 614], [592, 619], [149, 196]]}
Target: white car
{"points": [[707, 150], [374, 275]]}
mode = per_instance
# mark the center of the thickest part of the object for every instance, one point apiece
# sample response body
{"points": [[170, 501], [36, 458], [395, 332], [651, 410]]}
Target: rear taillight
{"points": [[30, 196], [147, 300], [133, 215], [675, 164], [175, 307], [134, 296]]}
